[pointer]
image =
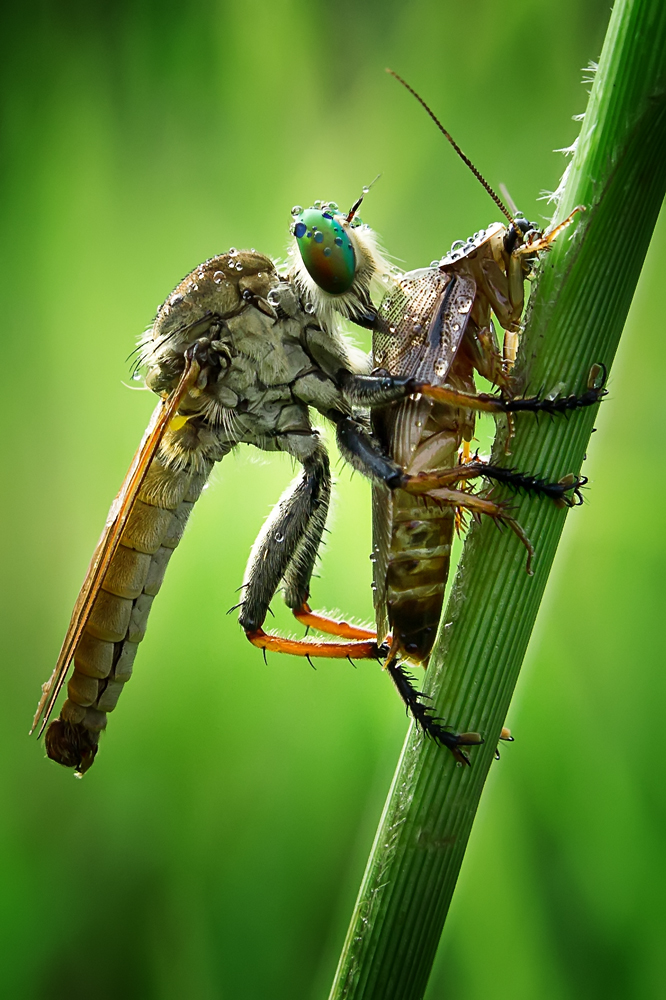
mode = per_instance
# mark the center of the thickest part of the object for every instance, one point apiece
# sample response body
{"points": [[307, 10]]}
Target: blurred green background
{"points": [[215, 849]]}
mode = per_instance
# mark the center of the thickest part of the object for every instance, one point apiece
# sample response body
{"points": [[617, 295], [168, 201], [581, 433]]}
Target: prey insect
{"points": [[239, 353]]}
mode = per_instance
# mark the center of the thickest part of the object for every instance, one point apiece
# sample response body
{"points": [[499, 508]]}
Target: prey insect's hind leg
{"points": [[286, 550]]}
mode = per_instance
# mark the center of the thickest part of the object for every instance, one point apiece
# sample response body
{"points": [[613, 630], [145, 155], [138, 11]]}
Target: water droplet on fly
{"points": [[465, 306], [136, 377], [434, 263], [218, 277], [365, 190], [239, 267], [319, 238], [455, 327], [440, 367], [232, 251], [309, 308], [327, 251], [338, 241], [279, 537], [273, 297], [317, 203], [297, 209]]}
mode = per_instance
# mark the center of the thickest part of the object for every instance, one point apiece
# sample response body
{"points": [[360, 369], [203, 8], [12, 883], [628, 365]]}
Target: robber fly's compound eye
{"points": [[326, 249]]}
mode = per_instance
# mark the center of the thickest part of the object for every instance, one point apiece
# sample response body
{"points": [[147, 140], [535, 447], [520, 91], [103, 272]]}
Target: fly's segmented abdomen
{"points": [[416, 574], [117, 624]]}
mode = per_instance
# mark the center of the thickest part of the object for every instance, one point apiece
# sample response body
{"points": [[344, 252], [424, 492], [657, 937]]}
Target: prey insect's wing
{"points": [[106, 547], [421, 324]]}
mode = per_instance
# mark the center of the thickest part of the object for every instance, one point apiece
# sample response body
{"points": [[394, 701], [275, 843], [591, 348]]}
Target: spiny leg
{"points": [[286, 549], [363, 451], [425, 482], [424, 717], [377, 390], [280, 543], [488, 403]]}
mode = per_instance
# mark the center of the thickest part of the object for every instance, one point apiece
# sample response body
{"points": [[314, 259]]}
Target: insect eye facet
{"points": [[325, 247]]}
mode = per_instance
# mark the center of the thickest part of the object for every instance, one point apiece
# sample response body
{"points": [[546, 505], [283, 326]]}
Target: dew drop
{"points": [[327, 251], [309, 308], [136, 377], [297, 209], [434, 263], [319, 238], [365, 190], [465, 305], [232, 251], [300, 230], [338, 241], [455, 327], [317, 203], [273, 297], [279, 537], [218, 277]]}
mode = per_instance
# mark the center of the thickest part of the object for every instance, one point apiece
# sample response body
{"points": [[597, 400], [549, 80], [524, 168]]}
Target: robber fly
{"points": [[239, 353]]}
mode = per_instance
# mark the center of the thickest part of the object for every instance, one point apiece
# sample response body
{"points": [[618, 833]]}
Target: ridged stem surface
{"points": [[577, 313]]}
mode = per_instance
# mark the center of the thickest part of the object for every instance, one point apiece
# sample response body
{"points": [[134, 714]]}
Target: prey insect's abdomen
{"points": [[416, 573], [117, 623]]}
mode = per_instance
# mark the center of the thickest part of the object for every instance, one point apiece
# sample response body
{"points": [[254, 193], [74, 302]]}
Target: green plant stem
{"points": [[576, 317]]}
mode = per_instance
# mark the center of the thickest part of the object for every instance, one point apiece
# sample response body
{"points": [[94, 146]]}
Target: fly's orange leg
{"points": [[331, 626], [355, 650]]}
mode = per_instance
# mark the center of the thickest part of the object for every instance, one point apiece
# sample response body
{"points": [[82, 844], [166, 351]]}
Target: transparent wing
{"points": [[121, 509]]}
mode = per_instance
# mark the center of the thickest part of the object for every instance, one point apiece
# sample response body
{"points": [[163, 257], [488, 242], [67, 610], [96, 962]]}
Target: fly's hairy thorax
{"points": [[268, 359]]}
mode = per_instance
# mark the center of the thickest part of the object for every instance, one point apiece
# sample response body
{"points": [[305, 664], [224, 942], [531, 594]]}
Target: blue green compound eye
{"points": [[326, 249]]}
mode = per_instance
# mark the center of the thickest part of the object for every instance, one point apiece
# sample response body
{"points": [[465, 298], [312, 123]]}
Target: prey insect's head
{"points": [[521, 231]]}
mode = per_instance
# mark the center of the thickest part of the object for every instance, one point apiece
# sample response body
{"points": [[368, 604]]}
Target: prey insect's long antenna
{"points": [[496, 198]]}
